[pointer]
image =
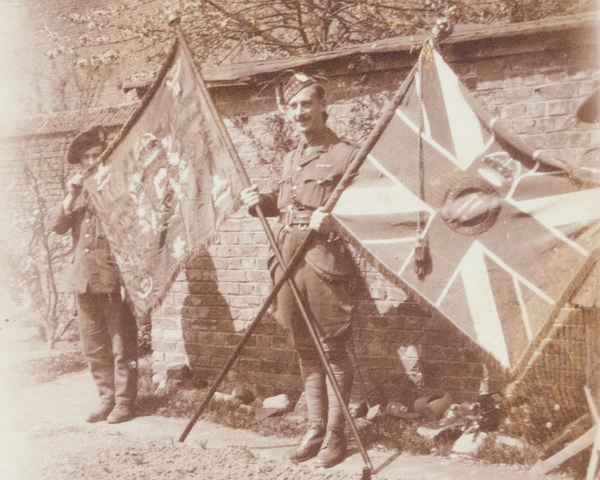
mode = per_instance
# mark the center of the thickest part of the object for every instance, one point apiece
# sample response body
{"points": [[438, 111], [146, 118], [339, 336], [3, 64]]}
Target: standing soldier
{"points": [[107, 327], [326, 277]]}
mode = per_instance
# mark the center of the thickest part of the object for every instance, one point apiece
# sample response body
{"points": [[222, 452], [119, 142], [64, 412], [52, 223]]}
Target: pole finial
{"points": [[173, 19], [444, 26]]}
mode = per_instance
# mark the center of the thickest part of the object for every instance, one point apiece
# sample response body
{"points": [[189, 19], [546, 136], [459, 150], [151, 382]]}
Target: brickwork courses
{"points": [[404, 350]]}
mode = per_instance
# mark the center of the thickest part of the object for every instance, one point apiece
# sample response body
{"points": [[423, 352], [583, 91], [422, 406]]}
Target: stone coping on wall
{"points": [[458, 46], [68, 121], [466, 42]]}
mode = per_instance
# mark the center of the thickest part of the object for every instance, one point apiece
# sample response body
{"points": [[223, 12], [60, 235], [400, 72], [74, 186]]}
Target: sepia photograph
{"points": [[173, 171]]}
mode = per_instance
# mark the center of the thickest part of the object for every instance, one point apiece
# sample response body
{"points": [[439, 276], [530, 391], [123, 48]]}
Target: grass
{"points": [[46, 369], [387, 433], [183, 402]]}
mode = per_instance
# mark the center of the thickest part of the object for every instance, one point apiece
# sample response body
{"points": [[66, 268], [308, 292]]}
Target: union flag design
{"points": [[511, 234]]}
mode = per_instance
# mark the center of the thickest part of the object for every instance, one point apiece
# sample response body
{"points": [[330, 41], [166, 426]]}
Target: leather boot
{"points": [[100, 414], [309, 446], [120, 414], [333, 449]]}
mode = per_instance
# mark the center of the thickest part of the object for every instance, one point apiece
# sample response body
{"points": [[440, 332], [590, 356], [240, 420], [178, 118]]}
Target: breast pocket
{"points": [[316, 189]]}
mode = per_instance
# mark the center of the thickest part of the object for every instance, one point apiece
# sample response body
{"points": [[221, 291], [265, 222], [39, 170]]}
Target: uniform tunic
{"points": [[107, 327], [326, 277]]}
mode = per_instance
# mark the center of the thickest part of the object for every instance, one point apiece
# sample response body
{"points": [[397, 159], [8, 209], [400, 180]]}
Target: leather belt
{"points": [[295, 217]]}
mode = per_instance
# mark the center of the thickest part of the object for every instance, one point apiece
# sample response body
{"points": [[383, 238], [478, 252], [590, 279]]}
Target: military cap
{"points": [[92, 137], [297, 82]]}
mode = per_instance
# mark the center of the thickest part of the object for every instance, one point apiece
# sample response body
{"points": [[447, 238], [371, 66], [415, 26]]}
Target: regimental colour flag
{"points": [[511, 235], [165, 183]]}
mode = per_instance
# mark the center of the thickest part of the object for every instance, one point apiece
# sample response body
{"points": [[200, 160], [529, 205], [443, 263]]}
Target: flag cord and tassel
{"points": [[442, 29], [422, 255]]}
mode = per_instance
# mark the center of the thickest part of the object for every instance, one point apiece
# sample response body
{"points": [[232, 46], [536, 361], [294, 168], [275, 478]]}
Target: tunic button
{"points": [[86, 250], [319, 182], [298, 168], [87, 235], [295, 187], [87, 220]]}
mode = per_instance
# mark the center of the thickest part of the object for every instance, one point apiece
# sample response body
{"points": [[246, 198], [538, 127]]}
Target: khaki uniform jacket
{"points": [[307, 182], [92, 268]]}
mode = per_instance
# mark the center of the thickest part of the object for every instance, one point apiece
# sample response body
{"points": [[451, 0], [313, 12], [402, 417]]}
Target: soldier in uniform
{"points": [[107, 326], [327, 276]]}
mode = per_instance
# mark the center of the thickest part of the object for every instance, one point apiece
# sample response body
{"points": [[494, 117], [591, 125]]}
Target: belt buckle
{"points": [[305, 219], [289, 217]]}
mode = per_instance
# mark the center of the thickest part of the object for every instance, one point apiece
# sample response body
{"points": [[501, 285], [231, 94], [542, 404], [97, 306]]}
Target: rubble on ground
{"points": [[459, 429], [245, 400]]}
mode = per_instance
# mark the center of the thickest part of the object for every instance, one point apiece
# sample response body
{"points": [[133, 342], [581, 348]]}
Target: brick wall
{"points": [[44, 154], [403, 348]]}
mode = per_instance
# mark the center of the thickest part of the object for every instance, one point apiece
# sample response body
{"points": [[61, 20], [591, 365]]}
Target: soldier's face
{"points": [[305, 110], [90, 156]]}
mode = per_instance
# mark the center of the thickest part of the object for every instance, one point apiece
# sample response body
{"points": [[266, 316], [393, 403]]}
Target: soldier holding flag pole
{"points": [[107, 326], [326, 278], [346, 165]]}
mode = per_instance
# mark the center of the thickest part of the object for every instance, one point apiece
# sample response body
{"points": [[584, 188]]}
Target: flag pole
{"points": [[299, 255], [305, 313]]}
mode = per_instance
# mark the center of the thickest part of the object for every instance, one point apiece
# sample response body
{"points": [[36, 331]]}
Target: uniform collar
{"points": [[324, 141]]}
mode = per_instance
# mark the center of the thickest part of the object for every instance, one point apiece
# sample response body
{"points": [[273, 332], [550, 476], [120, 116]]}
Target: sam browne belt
{"points": [[295, 217]]}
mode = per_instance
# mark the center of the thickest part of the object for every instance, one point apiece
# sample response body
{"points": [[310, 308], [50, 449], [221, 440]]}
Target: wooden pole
{"points": [[305, 313], [289, 269]]}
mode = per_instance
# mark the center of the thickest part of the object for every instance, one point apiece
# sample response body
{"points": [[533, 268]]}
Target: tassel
{"points": [[422, 257]]}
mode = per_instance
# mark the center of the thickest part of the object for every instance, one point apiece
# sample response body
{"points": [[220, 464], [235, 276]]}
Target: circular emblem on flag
{"points": [[471, 206]]}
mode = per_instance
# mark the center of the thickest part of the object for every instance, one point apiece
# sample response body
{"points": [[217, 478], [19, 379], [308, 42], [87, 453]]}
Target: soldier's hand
{"points": [[250, 196], [75, 184], [321, 221]]}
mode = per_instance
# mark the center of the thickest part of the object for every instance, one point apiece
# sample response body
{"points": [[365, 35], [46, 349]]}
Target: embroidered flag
{"points": [[166, 183], [510, 236]]}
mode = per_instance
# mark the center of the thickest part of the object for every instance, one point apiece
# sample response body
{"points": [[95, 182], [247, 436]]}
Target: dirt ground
{"points": [[43, 437]]}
